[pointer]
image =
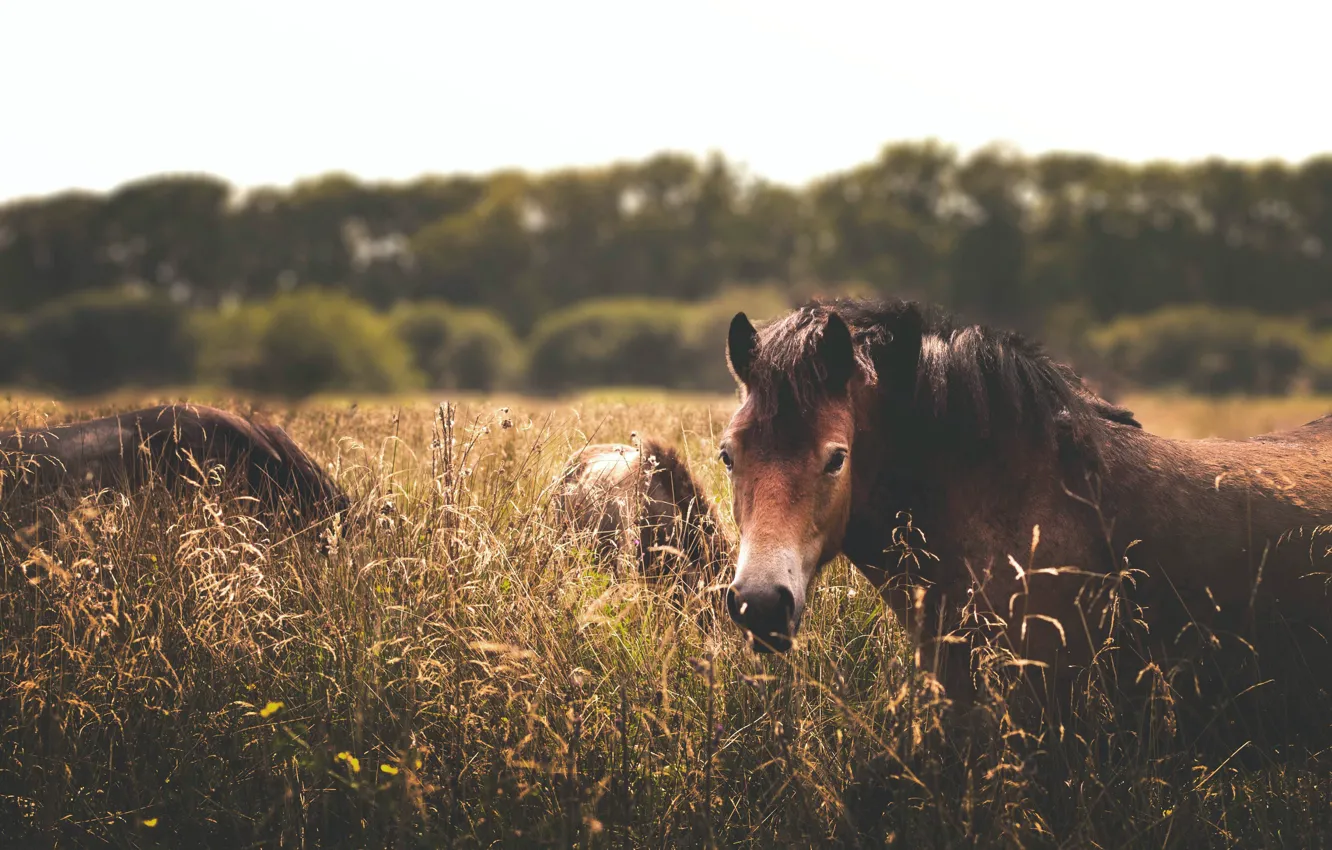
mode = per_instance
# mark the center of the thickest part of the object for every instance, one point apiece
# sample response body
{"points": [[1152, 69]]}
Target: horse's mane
{"points": [[970, 377], [310, 483], [702, 529], [664, 462], [275, 454]]}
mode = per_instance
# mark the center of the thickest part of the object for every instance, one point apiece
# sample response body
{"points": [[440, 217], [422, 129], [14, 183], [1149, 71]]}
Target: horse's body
{"points": [[1215, 536], [167, 443], [642, 502], [975, 480]]}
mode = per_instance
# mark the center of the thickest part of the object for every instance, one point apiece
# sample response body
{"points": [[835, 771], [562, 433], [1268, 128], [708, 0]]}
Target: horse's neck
{"points": [[984, 509], [971, 509]]}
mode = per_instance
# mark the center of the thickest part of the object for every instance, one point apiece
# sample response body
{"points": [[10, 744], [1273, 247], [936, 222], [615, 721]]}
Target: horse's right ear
{"points": [[740, 345]]}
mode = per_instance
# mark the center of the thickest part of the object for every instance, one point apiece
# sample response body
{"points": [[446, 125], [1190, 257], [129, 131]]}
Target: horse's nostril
{"points": [[786, 604], [733, 605]]}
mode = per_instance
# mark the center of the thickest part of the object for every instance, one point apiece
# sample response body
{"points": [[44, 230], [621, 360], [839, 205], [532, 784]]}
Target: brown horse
{"points": [[644, 502], [976, 481], [168, 443]]}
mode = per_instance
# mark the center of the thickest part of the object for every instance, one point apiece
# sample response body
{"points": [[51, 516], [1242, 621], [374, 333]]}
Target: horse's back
{"points": [[606, 465], [1320, 429], [1231, 545], [1267, 484], [1322, 423], [594, 494], [1221, 525], [94, 454], [607, 475], [1314, 434], [125, 450], [597, 473]]}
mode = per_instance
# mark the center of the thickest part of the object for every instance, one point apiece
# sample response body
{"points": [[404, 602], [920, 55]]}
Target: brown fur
{"points": [[964, 441], [168, 443], [644, 503]]}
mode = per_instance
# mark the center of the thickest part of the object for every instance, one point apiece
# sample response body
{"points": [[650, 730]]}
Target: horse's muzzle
{"points": [[767, 612]]}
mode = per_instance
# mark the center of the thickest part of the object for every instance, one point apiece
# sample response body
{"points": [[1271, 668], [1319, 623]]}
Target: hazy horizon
{"points": [[273, 95]]}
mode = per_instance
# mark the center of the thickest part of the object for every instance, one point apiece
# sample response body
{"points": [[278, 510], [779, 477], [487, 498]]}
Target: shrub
{"points": [[630, 341], [458, 348], [96, 341], [303, 343], [711, 320], [1206, 350], [11, 349], [1320, 362], [641, 342]]}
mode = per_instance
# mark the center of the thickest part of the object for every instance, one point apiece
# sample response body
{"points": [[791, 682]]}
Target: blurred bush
{"points": [[616, 341], [458, 348], [313, 340], [641, 342], [11, 349], [99, 340], [1321, 362], [302, 343], [711, 321], [1207, 350]]}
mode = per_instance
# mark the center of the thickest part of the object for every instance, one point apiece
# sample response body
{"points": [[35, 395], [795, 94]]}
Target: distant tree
{"points": [[11, 350], [889, 222], [987, 269], [770, 236], [485, 256], [642, 341], [1012, 239], [628, 341], [51, 247], [1206, 350], [169, 233]]}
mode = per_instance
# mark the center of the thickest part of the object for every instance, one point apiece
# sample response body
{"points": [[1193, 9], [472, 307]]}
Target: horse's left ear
{"points": [[837, 352], [740, 345]]}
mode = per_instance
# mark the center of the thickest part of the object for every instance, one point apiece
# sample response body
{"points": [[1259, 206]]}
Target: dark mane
{"points": [[666, 462], [702, 535], [969, 377]]}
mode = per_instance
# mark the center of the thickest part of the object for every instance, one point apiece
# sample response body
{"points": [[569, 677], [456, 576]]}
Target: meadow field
{"points": [[467, 674]]}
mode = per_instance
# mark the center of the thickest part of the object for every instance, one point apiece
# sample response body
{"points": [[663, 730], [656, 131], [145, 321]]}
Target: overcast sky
{"points": [[97, 93]]}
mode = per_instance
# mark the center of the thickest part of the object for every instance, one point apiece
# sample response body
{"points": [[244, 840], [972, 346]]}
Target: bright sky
{"points": [[96, 93]]}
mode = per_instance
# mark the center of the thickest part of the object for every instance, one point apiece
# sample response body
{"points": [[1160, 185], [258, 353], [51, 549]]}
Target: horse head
{"points": [[791, 453]]}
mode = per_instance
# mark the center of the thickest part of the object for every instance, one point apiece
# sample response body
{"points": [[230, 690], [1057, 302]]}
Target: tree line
{"points": [[1056, 244]]}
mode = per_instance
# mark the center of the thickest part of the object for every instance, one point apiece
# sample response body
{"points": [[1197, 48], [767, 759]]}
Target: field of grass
{"points": [[467, 674]]}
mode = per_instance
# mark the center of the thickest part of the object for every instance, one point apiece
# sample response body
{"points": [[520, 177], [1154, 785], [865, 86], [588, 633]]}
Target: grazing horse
{"points": [[169, 443], [977, 482], [643, 501]]}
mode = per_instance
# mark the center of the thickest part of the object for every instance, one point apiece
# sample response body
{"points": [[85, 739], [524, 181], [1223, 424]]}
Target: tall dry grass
{"points": [[466, 674]]}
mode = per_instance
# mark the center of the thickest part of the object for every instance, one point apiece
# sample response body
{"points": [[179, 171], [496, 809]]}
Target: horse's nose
{"points": [[764, 610]]}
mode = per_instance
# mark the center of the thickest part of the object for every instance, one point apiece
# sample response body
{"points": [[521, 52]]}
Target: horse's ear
{"points": [[837, 352], [740, 345]]}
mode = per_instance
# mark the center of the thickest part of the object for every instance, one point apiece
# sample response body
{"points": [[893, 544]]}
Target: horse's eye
{"points": [[835, 462], [726, 459]]}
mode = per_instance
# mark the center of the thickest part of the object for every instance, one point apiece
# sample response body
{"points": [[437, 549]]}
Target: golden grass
{"points": [[468, 675], [1194, 417]]}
